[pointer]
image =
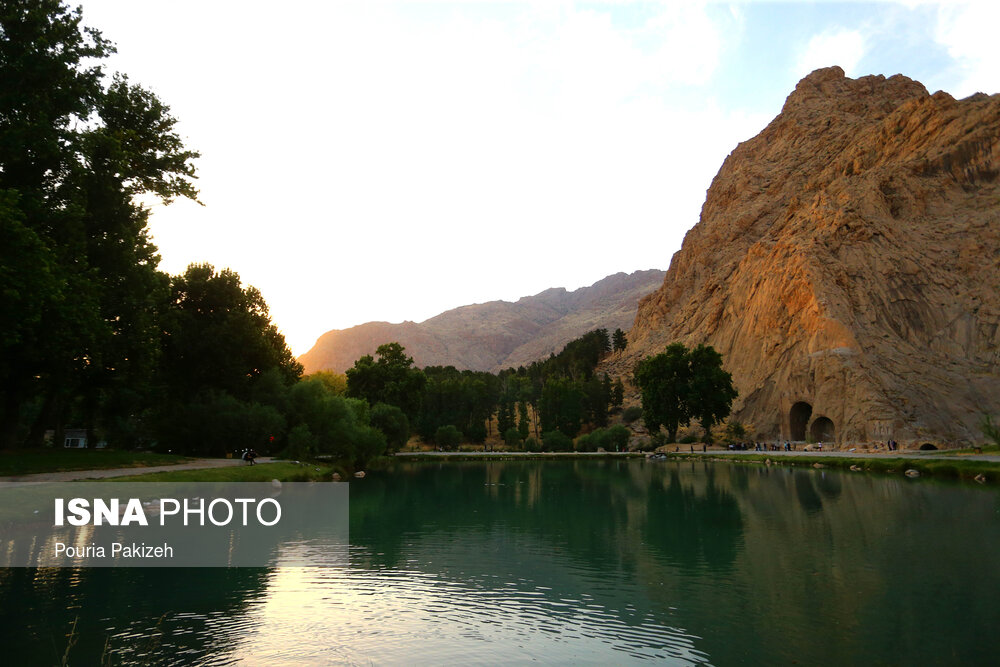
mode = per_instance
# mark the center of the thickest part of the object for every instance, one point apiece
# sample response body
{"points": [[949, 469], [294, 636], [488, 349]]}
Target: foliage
{"points": [[989, 429], [393, 423], [391, 378], [557, 441], [335, 382], [614, 439], [447, 437], [735, 432], [81, 293], [679, 385], [618, 395], [512, 438], [631, 414], [302, 444], [561, 407], [531, 444], [618, 341]]}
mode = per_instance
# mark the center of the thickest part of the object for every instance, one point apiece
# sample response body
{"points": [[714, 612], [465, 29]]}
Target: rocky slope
{"points": [[847, 266], [494, 335]]}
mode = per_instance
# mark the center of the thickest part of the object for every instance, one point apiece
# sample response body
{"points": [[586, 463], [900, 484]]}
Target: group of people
{"points": [[762, 447], [249, 455]]}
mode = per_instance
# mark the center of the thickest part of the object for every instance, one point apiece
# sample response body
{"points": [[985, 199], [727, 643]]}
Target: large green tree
{"points": [[75, 151], [711, 393], [389, 378], [663, 380], [219, 335], [679, 385]]}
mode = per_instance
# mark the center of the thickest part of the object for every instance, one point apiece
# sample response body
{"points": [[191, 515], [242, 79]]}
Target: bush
{"points": [[512, 438], [617, 438], [393, 423], [301, 444], [476, 433], [557, 441], [689, 439], [587, 443], [531, 445], [631, 414], [447, 437]]}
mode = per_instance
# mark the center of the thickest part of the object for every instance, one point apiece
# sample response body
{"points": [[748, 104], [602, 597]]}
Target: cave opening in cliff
{"points": [[798, 419], [822, 430]]}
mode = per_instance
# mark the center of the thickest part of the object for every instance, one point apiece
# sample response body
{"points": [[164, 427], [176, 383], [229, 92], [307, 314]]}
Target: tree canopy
{"points": [[680, 384]]}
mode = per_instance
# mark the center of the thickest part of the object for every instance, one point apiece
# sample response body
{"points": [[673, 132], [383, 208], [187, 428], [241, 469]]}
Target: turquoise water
{"points": [[600, 562]]}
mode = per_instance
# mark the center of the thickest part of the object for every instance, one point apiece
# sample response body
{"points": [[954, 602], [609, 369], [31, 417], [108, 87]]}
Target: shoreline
{"points": [[982, 468]]}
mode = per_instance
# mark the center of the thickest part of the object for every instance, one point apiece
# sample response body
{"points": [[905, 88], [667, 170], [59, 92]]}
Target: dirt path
{"points": [[72, 475]]}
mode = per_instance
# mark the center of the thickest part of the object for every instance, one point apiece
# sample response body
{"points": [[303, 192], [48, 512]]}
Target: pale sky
{"points": [[388, 161]]}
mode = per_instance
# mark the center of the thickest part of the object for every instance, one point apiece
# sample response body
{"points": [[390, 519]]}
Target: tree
{"points": [[389, 379], [664, 382], [618, 341], [617, 394], [711, 391], [393, 423], [679, 385], [216, 334], [74, 154], [447, 437], [561, 407]]}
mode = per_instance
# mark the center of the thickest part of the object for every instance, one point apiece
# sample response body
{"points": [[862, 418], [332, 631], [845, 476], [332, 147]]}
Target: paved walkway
{"points": [[73, 475], [899, 454], [904, 454]]}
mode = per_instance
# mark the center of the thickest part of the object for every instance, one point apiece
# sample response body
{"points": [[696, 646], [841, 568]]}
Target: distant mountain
{"points": [[494, 335]]}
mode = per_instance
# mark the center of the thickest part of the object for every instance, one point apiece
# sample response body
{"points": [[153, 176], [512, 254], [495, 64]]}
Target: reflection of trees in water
{"points": [[137, 608], [581, 506], [589, 509], [690, 528], [805, 491]]}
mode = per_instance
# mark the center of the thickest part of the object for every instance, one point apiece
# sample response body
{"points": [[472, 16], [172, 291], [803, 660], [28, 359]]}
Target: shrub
{"points": [[532, 445], [447, 437], [476, 433], [393, 423], [512, 438], [557, 441], [689, 439], [617, 438], [631, 414], [301, 443], [587, 443]]}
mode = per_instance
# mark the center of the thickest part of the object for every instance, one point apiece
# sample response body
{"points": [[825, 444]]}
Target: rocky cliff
{"points": [[847, 266], [494, 335]]}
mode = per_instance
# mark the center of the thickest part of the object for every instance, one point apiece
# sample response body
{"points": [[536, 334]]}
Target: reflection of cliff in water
{"points": [[135, 610], [695, 545]]}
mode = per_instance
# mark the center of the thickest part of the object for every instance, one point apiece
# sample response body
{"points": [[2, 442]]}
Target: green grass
{"points": [[284, 471], [985, 449], [28, 461], [953, 469]]}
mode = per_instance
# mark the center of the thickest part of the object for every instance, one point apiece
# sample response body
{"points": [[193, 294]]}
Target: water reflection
{"points": [[585, 561]]}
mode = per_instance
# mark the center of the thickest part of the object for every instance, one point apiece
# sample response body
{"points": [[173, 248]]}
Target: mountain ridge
{"points": [[497, 334]]}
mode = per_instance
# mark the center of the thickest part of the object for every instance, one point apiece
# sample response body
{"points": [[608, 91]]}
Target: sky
{"points": [[366, 161]]}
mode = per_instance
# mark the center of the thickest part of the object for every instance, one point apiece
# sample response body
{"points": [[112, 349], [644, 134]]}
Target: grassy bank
{"points": [[29, 461], [948, 469], [285, 471]]}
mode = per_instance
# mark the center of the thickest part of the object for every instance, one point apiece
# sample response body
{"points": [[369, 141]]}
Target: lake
{"points": [[580, 561]]}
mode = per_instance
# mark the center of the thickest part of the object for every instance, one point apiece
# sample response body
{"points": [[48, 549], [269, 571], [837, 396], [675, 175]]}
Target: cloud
{"points": [[843, 47], [968, 32]]}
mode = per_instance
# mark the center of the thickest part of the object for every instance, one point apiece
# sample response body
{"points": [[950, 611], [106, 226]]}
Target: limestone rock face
{"points": [[494, 335], [847, 266]]}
